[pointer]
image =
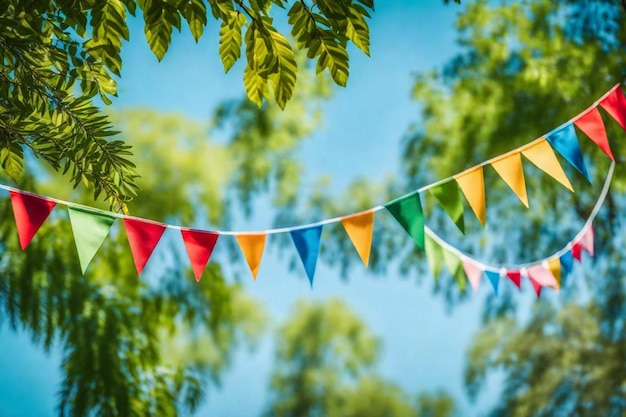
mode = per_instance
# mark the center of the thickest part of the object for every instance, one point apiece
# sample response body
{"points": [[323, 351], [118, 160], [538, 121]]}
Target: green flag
{"points": [[434, 256], [448, 195], [455, 266], [90, 228], [408, 212]]}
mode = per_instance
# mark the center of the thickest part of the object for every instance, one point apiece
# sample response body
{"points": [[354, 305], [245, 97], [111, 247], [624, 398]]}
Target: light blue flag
{"points": [[307, 243], [565, 142], [494, 278], [567, 264]]}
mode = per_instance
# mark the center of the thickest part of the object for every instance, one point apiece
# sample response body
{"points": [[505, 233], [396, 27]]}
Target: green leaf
{"points": [[195, 13], [284, 79], [231, 39], [160, 18], [12, 159], [357, 30]]}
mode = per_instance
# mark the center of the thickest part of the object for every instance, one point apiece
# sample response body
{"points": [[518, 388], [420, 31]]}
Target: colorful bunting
{"points": [[448, 195], [90, 228], [252, 246], [359, 228], [408, 212], [515, 277], [542, 275], [542, 155], [143, 236], [199, 245], [434, 256], [494, 278], [307, 243], [474, 272], [30, 212], [472, 184], [592, 125], [511, 170], [565, 141], [615, 105]]}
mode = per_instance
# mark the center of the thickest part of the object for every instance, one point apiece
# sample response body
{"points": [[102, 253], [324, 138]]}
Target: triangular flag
{"points": [[515, 277], [542, 276], [494, 278], [536, 286], [615, 105], [474, 272], [434, 256], [542, 155], [587, 241], [359, 228], [567, 265], [252, 246], [453, 263], [90, 228], [407, 211], [554, 265], [30, 212], [472, 184], [448, 195], [576, 251], [511, 170], [592, 125], [199, 245], [143, 236], [307, 242], [566, 143]]}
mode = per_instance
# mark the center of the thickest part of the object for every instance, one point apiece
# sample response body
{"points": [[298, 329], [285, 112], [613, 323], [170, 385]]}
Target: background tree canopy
{"points": [[159, 345]]}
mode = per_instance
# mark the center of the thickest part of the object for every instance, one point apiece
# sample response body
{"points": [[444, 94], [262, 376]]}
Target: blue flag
{"points": [[565, 142], [307, 243], [494, 278], [567, 264]]}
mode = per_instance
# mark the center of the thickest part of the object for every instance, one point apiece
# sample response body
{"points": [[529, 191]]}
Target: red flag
{"points": [[536, 286], [199, 247], [516, 277], [592, 125], [143, 236], [615, 105], [576, 251], [30, 212]]}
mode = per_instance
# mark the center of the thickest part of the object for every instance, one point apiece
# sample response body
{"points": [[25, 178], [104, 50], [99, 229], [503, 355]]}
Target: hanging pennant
{"points": [[252, 246], [472, 184], [434, 256], [592, 125], [454, 265], [511, 170], [474, 272], [359, 228], [536, 286], [307, 242], [615, 105], [494, 278], [542, 275], [566, 143], [542, 155], [554, 266], [577, 251], [587, 241], [407, 211], [515, 277], [448, 195], [199, 245], [30, 212], [143, 236], [89, 228]]}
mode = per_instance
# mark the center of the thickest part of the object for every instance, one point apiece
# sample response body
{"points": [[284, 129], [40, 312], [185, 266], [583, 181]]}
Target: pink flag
{"points": [[474, 272], [143, 236], [587, 241], [30, 212], [543, 276], [199, 247]]}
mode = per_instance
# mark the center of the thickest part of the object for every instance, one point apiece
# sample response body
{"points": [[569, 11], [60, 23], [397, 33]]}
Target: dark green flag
{"points": [[448, 195], [408, 212]]}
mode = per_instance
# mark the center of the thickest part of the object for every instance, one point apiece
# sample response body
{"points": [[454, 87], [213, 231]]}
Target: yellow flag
{"points": [[511, 170], [252, 246], [542, 155], [554, 265], [359, 228], [472, 184]]}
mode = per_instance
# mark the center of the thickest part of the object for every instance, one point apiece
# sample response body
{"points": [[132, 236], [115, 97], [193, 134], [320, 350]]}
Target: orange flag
{"points": [[252, 246], [542, 155], [511, 170], [472, 184], [359, 228]]}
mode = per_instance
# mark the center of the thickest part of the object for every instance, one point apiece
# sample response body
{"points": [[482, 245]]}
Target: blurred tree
{"points": [[152, 346], [324, 363]]}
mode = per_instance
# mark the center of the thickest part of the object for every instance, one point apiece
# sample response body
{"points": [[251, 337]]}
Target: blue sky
{"points": [[423, 344]]}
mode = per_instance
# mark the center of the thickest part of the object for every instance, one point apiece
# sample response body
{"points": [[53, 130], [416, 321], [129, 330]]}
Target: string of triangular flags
{"points": [[91, 226]]}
